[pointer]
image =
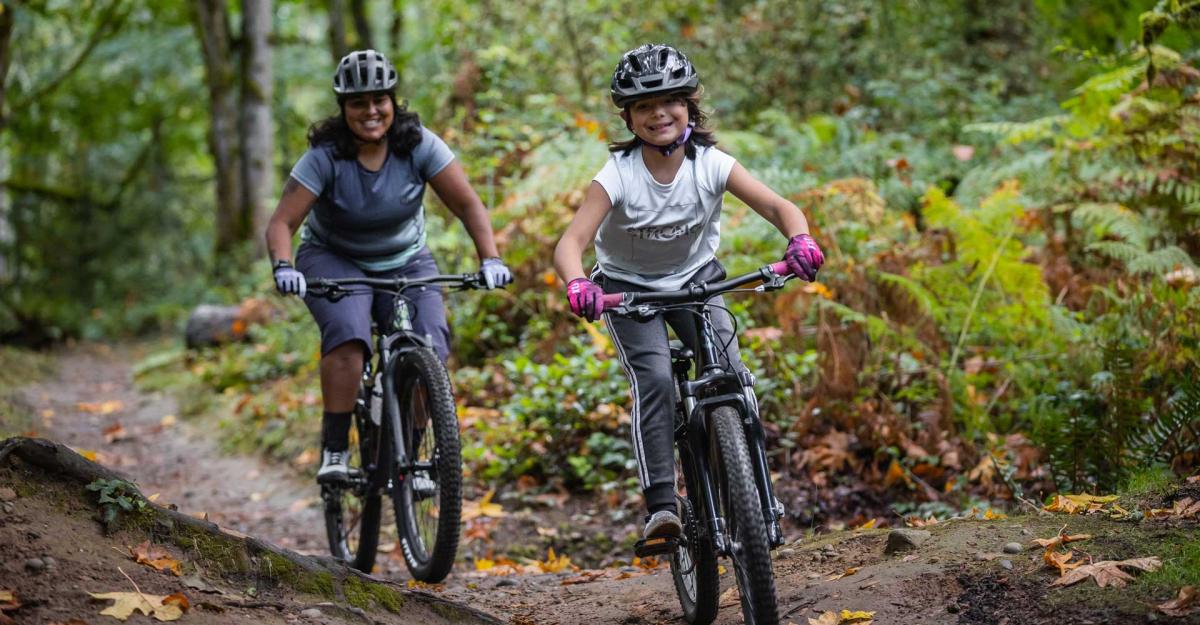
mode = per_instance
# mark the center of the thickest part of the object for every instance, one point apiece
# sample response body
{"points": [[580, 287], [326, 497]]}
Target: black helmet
{"points": [[363, 71], [652, 69]]}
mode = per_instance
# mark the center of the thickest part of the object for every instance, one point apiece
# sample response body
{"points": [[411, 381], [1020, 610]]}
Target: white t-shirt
{"points": [[657, 235]]}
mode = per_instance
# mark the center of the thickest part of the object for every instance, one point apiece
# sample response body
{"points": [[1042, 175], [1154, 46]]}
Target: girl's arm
{"points": [[568, 254], [783, 214], [294, 204], [453, 188]]}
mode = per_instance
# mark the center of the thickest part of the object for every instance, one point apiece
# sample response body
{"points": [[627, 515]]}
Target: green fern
{"points": [[1176, 432]]}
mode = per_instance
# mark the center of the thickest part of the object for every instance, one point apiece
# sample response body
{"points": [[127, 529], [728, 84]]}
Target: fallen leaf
{"points": [[115, 432], [1060, 560], [862, 617], [484, 564], [992, 515], [583, 578], [1182, 605], [552, 563], [1108, 572], [866, 526], [155, 557], [125, 603], [168, 421], [826, 618], [1061, 539], [848, 572], [729, 597], [104, 407], [483, 507]]}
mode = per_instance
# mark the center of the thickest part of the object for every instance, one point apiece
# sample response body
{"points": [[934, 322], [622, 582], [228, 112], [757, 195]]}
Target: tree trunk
{"points": [[396, 39], [362, 25], [212, 27], [257, 173], [337, 30], [6, 26]]}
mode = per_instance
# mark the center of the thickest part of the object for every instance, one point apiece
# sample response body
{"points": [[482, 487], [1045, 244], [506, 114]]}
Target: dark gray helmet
{"points": [[363, 71], [652, 69]]}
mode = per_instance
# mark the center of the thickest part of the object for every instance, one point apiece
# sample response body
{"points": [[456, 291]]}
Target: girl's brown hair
{"points": [[701, 134]]}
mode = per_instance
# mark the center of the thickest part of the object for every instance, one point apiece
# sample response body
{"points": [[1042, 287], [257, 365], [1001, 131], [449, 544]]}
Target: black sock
{"points": [[335, 431], [660, 497]]}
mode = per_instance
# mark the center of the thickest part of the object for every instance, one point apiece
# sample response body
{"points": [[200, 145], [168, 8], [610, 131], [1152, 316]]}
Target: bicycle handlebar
{"points": [[334, 287], [772, 275]]}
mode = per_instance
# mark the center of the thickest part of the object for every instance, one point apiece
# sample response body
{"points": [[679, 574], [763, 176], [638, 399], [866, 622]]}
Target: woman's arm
{"points": [[452, 186], [783, 214], [294, 204], [568, 254]]}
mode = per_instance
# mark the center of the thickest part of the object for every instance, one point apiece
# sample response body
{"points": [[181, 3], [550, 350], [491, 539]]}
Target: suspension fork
{"points": [[756, 439]]}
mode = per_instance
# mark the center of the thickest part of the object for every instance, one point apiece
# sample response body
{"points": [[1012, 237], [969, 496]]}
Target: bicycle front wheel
{"points": [[744, 519], [352, 510], [428, 493]]}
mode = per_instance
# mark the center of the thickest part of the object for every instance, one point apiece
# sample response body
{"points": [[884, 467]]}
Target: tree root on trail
{"points": [[235, 557]]}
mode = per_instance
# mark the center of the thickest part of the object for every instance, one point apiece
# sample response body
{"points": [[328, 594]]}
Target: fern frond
{"points": [[1117, 250], [1021, 132], [1161, 261], [919, 293], [1175, 431]]}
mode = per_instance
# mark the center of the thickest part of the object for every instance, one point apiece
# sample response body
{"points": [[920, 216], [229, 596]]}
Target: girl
{"points": [[654, 214]]}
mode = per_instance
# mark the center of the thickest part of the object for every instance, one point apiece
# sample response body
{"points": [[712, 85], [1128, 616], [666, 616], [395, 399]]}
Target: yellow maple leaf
{"points": [[483, 564], [125, 603], [861, 616], [866, 526], [552, 563], [483, 507], [991, 515]]}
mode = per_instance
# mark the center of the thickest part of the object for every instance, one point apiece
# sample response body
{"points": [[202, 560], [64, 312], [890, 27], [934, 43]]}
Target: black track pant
{"points": [[642, 346]]}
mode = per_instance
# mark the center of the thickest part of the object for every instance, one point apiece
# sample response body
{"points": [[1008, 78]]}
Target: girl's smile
{"points": [[660, 120]]}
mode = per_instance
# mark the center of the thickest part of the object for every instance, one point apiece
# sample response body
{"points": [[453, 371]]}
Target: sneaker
{"points": [[663, 524], [333, 467]]}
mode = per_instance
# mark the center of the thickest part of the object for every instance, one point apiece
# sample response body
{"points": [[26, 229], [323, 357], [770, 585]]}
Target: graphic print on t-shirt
{"points": [[660, 244]]}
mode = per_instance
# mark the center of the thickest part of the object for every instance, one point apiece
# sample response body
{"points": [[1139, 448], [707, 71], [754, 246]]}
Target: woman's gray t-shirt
{"points": [[374, 218]]}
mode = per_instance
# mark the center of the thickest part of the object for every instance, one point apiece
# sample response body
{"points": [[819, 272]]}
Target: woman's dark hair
{"points": [[402, 136], [701, 134]]}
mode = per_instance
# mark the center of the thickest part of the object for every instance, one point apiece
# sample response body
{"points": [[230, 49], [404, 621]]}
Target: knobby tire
{"points": [[424, 394], [744, 519]]}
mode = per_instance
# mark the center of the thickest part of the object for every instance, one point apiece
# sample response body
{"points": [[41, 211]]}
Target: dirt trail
{"points": [[947, 580]]}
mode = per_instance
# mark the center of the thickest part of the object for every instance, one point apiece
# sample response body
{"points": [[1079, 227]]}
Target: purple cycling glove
{"points": [[586, 299], [804, 257]]}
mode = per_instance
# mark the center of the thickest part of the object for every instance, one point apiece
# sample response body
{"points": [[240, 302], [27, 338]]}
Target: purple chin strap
{"points": [[666, 150]]}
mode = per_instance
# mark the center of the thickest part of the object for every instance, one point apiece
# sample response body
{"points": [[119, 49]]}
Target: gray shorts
{"points": [[349, 319]]}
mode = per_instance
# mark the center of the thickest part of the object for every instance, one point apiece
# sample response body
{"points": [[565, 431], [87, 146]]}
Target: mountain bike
{"points": [[407, 445], [728, 507]]}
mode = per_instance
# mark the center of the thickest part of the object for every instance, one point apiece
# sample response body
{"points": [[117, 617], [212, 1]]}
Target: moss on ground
{"points": [[18, 368], [368, 595]]}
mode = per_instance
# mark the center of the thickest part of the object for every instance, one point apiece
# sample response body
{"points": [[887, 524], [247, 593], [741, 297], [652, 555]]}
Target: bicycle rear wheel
{"points": [[743, 518], [352, 510], [428, 495]]}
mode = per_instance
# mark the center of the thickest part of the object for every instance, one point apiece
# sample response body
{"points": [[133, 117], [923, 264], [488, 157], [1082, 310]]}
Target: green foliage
{"points": [[116, 497]]}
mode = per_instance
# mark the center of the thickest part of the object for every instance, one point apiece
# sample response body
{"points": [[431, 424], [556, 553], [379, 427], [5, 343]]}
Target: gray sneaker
{"points": [[663, 524], [333, 467]]}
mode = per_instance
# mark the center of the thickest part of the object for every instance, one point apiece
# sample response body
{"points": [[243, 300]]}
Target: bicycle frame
{"points": [[390, 348], [713, 385]]}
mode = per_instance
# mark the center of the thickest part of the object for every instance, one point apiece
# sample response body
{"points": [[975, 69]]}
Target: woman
{"points": [[357, 191]]}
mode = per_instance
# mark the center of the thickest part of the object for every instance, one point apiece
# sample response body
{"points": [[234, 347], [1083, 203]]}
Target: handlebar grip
{"points": [[612, 300], [780, 268]]}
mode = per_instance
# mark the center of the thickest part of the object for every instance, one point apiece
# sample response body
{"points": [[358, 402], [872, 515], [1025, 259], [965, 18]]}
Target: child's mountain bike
{"points": [[729, 508], [407, 444]]}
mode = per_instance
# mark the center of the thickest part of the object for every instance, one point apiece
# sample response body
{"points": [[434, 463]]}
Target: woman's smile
{"points": [[369, 116]]}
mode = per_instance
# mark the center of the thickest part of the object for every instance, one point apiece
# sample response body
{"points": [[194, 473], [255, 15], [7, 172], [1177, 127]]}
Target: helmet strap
{"points": [[666, 150]]}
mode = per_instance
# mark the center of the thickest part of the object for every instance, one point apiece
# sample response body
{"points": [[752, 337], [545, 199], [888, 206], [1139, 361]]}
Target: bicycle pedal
{"points": [[657, 546]]}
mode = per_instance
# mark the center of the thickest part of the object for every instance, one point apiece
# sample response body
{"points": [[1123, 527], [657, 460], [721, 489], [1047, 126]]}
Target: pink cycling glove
{"points": [[804, 257], [586, 299]]}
